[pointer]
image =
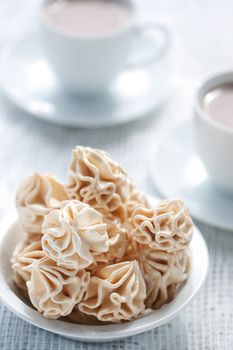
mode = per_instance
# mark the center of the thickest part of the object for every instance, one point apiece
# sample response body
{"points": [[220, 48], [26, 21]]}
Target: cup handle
{"points": [[141, 31]]}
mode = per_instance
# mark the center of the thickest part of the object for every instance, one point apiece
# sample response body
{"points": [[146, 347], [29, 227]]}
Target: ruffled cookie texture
{"points": [[118, 245], [25, 253], [53, 290], [135, 200], [163, 274], [116, 292], [94, 250], [73, 233], [168, 227], [37, 195], [94, 178]]}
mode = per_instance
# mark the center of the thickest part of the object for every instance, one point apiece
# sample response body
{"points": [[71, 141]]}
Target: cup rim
{"points": [[80, 37], [209, 83]]}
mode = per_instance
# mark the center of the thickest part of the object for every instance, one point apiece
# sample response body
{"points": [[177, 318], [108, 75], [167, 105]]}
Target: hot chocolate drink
{"points": [[218, 104], [87, 17]]}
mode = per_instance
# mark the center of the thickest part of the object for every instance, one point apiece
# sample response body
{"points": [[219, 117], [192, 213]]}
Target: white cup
{"points": [[214, 140], [89, 64]]}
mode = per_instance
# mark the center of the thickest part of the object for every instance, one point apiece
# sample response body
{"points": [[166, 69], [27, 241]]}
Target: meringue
{"points": [[95, 179], [118, 242], [167, 227], [136, 199], [37, 195], [117, 292], [54, 291], [94, 250], [25, 253], [79, 317], [163, 273], [73, 233]]}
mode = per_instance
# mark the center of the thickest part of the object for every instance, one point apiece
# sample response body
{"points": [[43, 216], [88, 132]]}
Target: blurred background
{"points": [[202, 34], [202, 37]]}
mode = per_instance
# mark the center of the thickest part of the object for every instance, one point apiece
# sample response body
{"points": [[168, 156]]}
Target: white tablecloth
{"points": [[202, 43]]}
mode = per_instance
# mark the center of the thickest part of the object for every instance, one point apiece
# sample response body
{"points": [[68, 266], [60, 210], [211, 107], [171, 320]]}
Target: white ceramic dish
{"points": [[11, 298], [178, 172], [28, 82]]}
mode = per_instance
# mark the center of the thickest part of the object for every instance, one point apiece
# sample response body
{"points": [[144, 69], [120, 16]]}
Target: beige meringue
{"points": [[94, 250], [95, 179], [53, 290], [73, 233], [168, 227], [37, 195], [33, 237], [163, 273], [136, 199], [25, 253], [118, 244], [79, 317], [117, 292]]}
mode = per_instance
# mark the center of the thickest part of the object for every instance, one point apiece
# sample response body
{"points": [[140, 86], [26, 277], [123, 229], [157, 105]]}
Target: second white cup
{"points": [[214, 140]]}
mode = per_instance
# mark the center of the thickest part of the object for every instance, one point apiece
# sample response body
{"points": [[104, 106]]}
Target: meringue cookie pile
{"points": [[93, 249]]}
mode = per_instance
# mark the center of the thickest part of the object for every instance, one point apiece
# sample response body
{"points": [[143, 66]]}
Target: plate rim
{"points": [[22, 104], [153, 173], [92, 332]]}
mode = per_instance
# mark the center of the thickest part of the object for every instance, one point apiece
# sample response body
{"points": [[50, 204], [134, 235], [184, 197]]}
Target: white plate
{"points": [[178, 172], [28, 81], [9, 295]]}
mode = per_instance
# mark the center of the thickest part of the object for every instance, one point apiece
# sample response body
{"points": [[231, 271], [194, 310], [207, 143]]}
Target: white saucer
{"points": [[28, 81], [177, 171], [8, 293]]}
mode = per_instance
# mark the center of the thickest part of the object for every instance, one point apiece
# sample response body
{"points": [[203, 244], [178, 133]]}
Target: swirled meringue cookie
{"points": [[73, 233], [118, 243], [37, 195], [54, 291], [79, 317], [94, 250], [25, 254], [94, 178], [168, 227], [136, 199], [117, 292], [163, 273]]}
